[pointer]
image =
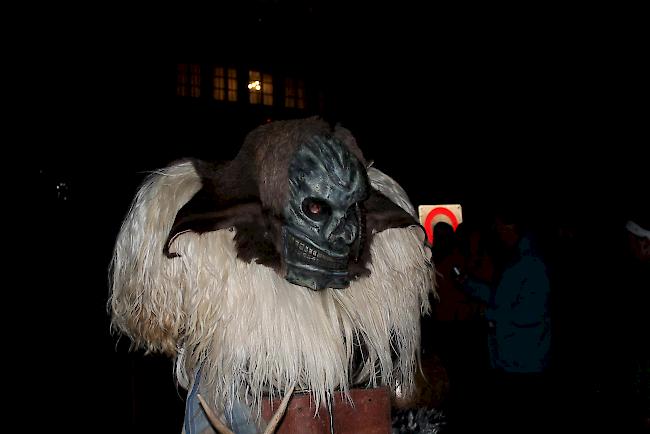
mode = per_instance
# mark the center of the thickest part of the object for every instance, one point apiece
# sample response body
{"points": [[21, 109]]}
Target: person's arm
{"points": [[476, 289]]}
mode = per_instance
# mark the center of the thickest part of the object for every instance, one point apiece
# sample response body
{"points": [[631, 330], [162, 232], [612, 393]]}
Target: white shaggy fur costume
{"points": [[250, 331]]}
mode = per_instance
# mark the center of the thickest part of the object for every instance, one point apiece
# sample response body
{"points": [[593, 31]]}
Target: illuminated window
{"points": [[294, 93], [260, 88], [254, 87], [224, 84], [232, 84], [188, 80], [219, 84], [181, 79]]}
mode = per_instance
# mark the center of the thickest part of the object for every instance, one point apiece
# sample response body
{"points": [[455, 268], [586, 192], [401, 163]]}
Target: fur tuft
{"points": [[147, 288]]}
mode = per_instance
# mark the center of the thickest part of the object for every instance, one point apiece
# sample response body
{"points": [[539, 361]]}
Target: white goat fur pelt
{"points": [[247, 328]]}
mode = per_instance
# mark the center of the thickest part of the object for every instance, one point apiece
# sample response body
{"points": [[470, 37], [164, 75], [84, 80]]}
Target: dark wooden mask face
{"points": [[323, 218]]}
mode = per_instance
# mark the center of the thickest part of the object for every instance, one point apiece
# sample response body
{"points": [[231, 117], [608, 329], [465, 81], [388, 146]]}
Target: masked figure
{"points": [[293, 271]]}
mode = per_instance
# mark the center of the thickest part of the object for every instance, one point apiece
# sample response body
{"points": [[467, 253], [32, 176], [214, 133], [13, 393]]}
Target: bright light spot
{"points": [[255, 85]]}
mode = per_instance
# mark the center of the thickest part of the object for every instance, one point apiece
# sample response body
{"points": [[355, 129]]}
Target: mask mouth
{"points": [[312, 267], [302, 251]]}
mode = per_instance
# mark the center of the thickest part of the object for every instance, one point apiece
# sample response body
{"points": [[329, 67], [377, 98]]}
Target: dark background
{"points": [[547, 108]]}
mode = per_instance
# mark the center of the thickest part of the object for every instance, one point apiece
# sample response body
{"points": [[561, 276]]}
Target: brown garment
{"points": [[369, 414]]}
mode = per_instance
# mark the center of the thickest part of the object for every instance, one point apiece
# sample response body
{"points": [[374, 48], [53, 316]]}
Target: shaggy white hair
{"points": [[249, 330]]}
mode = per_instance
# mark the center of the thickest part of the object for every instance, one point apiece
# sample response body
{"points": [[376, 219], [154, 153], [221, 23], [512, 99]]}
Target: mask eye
{"points": [[316, 209]]}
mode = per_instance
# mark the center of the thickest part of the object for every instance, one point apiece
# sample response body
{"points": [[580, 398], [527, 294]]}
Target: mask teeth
{"points": [[312, 254], [307, 251]]}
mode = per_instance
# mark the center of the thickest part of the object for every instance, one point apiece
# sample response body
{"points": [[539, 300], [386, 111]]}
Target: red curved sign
{"points": [[434, 212]]}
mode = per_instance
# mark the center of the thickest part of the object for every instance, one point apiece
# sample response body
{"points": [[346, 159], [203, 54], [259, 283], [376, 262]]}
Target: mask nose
{"points": [[344, 232]]}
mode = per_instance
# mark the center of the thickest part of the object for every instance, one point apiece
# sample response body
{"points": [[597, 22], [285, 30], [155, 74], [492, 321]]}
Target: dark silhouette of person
{"points": [[519, 337], [622, 357]]}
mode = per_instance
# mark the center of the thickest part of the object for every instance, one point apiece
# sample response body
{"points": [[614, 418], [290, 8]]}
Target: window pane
{"points": [[267, 89], [294, 91], [300, 91], [254, 87], [218, 84], [232, 89], [181, 79], [196, 80]]}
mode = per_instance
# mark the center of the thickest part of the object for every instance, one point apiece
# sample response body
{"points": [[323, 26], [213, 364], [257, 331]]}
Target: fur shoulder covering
{"points": [[248, 330]]}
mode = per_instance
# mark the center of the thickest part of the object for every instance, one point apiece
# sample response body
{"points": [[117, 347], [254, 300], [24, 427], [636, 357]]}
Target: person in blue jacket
{"points": [[519, 331]]}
